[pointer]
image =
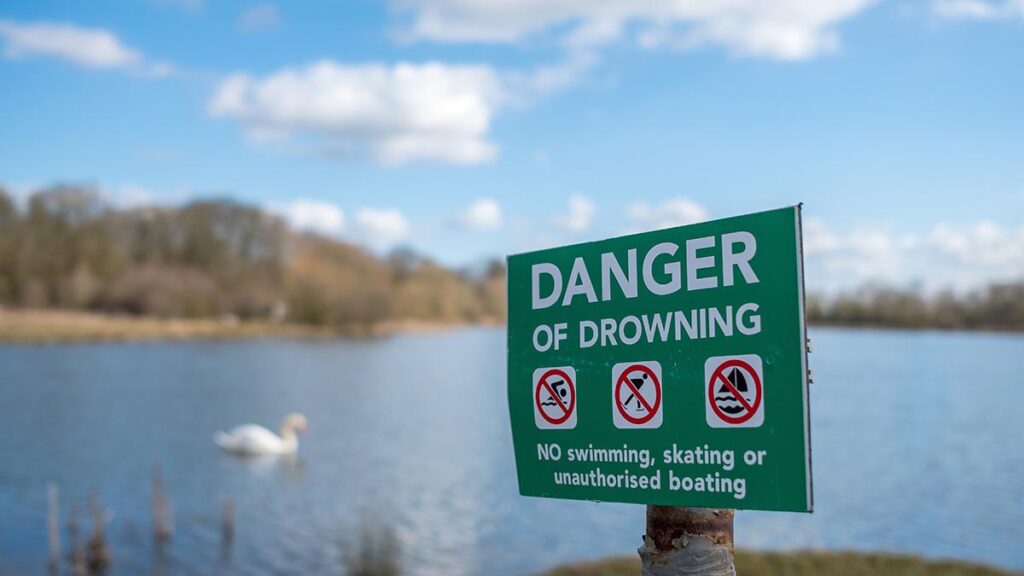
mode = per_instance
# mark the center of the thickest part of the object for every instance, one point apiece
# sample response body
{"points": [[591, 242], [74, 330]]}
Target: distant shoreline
{"points": [[46, 326], [922, 328], [41, 326]]}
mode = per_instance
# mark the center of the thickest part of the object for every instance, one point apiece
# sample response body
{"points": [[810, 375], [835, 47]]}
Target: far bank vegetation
{"points": [[67, 249], [995, 307]]}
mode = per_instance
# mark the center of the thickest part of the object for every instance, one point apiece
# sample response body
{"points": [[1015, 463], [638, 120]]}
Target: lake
{"points": [[918, 447]]}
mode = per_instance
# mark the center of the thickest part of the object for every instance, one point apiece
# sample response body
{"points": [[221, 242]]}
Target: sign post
{"points": [[666, 368], [688, 541]]}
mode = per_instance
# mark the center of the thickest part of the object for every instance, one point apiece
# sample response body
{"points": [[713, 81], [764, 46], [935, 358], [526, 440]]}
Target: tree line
{"points": [[996, 307], [69, 249]]}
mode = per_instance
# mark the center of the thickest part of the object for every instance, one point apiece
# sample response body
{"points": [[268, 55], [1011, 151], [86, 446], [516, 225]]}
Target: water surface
{"points": [[917, 440]]}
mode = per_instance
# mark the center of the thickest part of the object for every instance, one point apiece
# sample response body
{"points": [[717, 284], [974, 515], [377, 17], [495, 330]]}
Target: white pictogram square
{"points": [[734, 391], [554, 398], [637, 392]]}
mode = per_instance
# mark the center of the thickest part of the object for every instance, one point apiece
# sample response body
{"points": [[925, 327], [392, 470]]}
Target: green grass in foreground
{"points": [[801, 564]]}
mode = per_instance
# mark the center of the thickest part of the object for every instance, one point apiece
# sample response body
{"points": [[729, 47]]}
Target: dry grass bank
{"points": [[49, 326], [56, 326], [802, 564]]}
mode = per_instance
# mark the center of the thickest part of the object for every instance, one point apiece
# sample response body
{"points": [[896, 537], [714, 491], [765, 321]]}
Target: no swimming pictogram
{"points": [[735, 391], [636, 395], [554, 397]]}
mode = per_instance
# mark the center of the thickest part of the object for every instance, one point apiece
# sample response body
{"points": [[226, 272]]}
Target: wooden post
{"points": [[77, 551], [53, 525], [161, 508], [690, 541], [228, 523], [227, 530], [97, 552]]}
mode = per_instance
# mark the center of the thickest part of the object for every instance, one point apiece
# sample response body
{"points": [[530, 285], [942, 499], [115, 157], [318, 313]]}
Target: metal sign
{"points": [[668, 367]]}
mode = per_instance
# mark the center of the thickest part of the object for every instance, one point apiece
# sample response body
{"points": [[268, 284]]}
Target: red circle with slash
{"points": [[560, 407], [652, 408], [749, 408]]}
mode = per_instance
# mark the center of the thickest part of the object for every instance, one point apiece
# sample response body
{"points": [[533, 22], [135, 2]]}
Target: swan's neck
{"points": [[291, 440]]}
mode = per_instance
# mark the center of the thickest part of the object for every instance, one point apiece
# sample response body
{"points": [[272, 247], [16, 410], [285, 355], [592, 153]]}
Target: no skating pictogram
{"points": [[636, 395]]}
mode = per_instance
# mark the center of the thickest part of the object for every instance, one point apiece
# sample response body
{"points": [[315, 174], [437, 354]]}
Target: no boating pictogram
{"points": [[554, 397], [636, 395], [735, 391]]}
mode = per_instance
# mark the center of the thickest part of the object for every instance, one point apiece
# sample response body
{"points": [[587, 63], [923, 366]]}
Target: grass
{"points": [[59, 326], [51, 326], [373, 552], [802, 564]]}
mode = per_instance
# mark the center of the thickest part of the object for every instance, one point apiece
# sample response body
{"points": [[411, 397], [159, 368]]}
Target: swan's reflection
{"points": [[291, 467]]}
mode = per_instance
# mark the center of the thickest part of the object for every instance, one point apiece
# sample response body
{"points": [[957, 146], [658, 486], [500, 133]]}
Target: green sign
{"points": [[667, 367]]}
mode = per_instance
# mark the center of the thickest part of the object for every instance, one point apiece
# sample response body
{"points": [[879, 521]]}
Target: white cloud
{"points": [[581, 214], [311, 215], [19, 192], [786, 29], [959, 257], [259, 18], [382, 228], [551, 78], [398, 114], [86, 46], [672, 212], [89, 47], [133, 196], [978, 9], [122, 196], [484, 214]]}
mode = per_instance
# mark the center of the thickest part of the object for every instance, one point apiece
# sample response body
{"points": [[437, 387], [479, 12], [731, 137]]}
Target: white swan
{"points": [[254, 440]]}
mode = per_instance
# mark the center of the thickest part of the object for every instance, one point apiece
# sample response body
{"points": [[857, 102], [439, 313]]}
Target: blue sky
{"points": [[470, 129]]}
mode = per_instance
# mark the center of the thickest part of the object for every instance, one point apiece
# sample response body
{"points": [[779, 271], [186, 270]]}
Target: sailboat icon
{"points": [[725, 399], [734, 396]]}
